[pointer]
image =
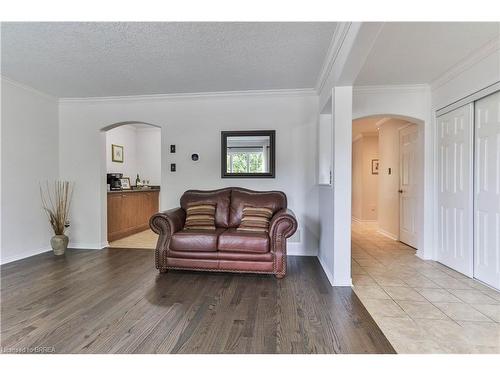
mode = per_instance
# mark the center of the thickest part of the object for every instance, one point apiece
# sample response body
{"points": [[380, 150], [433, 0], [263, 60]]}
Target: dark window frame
{"points": [[241, 133]]}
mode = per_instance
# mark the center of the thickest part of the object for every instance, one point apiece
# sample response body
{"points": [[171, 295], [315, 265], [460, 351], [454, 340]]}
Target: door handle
{"points": [[400, 191]]}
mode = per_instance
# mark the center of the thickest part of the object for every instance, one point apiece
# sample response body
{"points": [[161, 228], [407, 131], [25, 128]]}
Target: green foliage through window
{"points": [[245, 162]]}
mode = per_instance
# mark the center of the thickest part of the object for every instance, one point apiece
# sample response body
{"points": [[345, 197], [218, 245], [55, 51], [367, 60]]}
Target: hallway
{"points": [[422, 306]]}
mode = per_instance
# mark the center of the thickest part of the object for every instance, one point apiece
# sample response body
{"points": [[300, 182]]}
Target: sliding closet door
{"points": [[455, 216], [487, 191]]}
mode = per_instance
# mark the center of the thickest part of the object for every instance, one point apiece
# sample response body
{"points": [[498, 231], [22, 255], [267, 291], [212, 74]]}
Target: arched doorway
{"points": [[131, 179], [384, 245], [387, 175]]}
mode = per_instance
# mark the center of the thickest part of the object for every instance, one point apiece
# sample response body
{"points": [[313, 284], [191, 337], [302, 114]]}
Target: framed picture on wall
{"points": [[125, 181], [117, 153], [374, 166]]}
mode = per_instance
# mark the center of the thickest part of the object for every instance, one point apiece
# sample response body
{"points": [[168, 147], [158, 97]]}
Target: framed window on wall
{"points": [[248, 154]]}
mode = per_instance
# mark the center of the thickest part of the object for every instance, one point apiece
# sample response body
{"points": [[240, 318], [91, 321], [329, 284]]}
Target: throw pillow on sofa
{"points": [[255, 219], [200, 216]]}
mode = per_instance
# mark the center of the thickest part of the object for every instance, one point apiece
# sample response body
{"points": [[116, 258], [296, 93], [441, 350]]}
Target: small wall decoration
{"points": [[375, 166], [195, 157], [117, 153], [125, 181]]}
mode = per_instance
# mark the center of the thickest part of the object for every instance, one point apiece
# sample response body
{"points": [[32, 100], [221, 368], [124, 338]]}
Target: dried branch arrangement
{"points": [[56, 203]]}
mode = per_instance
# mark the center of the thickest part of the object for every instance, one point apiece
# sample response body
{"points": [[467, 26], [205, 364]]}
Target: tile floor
{"points": [[143, 240], [422, 306]]}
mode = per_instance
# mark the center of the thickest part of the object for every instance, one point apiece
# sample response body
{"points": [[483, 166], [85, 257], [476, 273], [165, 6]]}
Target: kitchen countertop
{"points": [[133, 191]]}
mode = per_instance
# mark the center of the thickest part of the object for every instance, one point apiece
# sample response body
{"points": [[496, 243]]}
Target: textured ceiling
{"points": [[416, 52], [107, 59]]}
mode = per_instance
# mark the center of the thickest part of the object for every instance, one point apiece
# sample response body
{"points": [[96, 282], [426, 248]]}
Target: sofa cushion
{"points": [[275, 200], [245, 242], [195, 240], [200, 216], [221, 198], [255, 219]]}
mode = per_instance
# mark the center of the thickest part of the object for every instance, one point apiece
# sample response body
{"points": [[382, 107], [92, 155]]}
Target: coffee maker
{"points": [[114, 182]]}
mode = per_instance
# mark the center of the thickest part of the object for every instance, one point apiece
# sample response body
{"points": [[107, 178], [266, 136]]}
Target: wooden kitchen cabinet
{"points": [[129, 212]]}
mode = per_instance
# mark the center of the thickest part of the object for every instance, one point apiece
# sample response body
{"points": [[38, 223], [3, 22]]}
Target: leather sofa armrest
{"points": [[168, 222], [283, 223], [165, 224]]}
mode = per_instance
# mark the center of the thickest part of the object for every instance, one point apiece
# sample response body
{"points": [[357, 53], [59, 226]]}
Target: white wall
{"points": [[388, 196], [193, 124], [142, 152], [125, 136], [473, 74], [324, 148], [148, 155], [29, 156], [357, 179], [364, 183], [342, 168]]}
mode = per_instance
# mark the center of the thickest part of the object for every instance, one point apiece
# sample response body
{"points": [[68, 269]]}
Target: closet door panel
{"points": [[487, 190], [455, 184]]}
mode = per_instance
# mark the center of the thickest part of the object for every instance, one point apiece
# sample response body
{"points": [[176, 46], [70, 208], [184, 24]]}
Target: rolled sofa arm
{"points": [[283, 225], [165, 224]]}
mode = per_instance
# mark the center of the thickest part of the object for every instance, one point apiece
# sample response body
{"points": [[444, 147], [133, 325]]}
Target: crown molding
{"points": [[373, 89], [336, 43], [200, 95], [22, 86], [469, 61]]}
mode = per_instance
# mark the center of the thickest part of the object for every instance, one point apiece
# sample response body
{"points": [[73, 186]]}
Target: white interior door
{"points": [[487, 190], [408, 185], [455, 215]]}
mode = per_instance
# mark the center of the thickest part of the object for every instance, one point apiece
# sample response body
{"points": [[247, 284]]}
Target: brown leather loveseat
{"points": [[225, 249]]}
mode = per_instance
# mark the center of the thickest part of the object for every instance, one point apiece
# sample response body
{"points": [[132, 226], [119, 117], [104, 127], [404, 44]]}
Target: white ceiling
{"points": [[419, 52], [107, 59]]}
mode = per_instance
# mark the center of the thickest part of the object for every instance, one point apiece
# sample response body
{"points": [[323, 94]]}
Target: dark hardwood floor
{"points": [[114, 301]]}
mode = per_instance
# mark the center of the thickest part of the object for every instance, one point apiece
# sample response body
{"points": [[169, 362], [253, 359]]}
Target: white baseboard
{"points": [[337, 282], [326, 271], [88, 246], [417, 254], [23, 255], [388, 234]]}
